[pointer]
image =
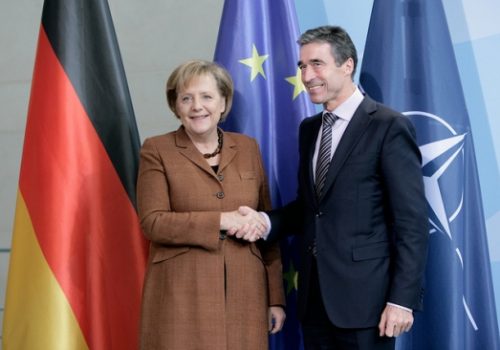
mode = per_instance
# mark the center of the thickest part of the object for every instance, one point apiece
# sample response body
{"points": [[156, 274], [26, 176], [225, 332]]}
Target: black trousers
{"points": [[320, 334]]}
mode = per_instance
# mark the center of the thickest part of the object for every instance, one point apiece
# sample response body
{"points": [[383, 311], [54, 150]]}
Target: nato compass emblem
{"points": [[442, 149]]}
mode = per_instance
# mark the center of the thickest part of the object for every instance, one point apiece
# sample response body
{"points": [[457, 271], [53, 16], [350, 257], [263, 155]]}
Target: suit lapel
{"points": [[228, 151], [357, 126], [189, 151], [309, 143]]}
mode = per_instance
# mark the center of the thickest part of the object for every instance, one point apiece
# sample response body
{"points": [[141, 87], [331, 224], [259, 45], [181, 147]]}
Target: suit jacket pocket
{"points": [[165, 253], [248, 175], [371, 251]]}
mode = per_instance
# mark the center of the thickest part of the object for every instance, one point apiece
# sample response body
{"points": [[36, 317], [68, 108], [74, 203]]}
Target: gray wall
{"points": [[154, 36]]}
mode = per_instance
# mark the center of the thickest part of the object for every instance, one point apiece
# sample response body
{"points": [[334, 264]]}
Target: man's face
{"points": [[327, 83]]}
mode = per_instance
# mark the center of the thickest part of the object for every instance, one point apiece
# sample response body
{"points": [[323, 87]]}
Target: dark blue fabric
{"points": [[265, 108], [409, 64]]}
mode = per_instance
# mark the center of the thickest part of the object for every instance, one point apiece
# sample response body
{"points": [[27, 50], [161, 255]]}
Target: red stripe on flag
{"points": [[84, 221]]}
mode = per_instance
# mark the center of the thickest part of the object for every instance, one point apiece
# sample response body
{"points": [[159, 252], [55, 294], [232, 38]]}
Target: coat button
{"points": [[220, 177], [222, 235], [319, 214], [220, 195], [311, 249]]}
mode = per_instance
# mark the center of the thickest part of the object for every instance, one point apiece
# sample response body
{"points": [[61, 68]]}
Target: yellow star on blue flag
{"points": [[255, 62], [296, 81], [291, 277]]}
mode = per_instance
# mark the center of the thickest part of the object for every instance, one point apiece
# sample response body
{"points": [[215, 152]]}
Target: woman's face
{"points": [[199, 106]]}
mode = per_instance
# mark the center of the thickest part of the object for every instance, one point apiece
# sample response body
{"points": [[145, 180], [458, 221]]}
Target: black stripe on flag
{"points": [[98, 77]]}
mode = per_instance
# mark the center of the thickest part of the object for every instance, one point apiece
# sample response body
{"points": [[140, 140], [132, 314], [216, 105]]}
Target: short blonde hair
{"points": [[183, 74]]}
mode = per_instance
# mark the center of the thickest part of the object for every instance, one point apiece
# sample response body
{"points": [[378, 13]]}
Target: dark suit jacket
{"points": [[371, 224]]}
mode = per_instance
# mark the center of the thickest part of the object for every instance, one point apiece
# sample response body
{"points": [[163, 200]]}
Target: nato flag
{"points": [[409, 64], [257, 45]]}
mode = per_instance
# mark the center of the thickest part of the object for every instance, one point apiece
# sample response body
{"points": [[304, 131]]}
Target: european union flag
{"points": [[257, 44], [409, 64]]}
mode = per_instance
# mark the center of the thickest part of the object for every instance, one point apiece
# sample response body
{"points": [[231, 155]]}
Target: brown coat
{"points": [[203, 292]]}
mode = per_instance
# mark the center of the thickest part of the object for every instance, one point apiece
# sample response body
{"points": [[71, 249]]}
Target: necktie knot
{"points": [[329, 119]]}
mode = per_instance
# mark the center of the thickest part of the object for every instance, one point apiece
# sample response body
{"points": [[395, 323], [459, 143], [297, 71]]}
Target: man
{"points": [[361, 208]]}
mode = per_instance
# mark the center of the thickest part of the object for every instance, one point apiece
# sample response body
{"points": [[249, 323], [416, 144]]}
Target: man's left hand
{"points": [[395, 321]]}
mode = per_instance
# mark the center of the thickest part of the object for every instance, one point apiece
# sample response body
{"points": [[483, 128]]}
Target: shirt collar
{"points": [[348, 107]]}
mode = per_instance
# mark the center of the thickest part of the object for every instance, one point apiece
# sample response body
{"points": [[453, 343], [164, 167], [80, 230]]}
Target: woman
{"points": [[204, 289]]}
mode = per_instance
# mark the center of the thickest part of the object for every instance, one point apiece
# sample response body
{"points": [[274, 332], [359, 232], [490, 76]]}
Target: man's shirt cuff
{"points": [[400, 307], [268, 223]]}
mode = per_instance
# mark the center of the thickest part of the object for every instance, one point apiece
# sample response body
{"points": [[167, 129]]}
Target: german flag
{"points": [[78, 253]]}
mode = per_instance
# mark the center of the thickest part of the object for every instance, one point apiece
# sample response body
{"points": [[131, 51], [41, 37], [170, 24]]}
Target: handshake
{"points": [[244, 223]]}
